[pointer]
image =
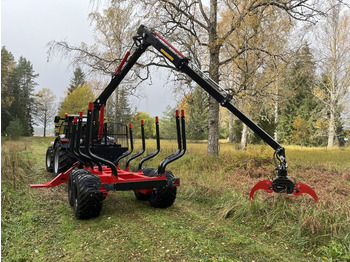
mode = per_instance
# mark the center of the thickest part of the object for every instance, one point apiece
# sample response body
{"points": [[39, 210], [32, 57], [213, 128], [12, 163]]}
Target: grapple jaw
{"points": [[301, 188], [265, 185], [283, 185]]}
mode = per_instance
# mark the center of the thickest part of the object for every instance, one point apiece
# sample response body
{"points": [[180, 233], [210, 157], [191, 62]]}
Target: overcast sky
{"points": [[27, 27]]}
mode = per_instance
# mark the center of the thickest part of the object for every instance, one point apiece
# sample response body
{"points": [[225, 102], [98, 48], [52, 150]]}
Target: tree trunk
{"points": [[334, 63], [244, 137], [331, 129], [275, 134], [213, 132], [214, 49], [230, 128], [45, 123]]}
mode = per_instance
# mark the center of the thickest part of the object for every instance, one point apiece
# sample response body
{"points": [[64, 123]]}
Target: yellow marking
{"points": [[166, 54]]}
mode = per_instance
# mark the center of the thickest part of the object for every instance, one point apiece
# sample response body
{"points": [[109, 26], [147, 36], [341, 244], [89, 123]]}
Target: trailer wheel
{"points": [[164, 197], [87, 200], [147, 171], [49, 159], [62, 160], [71, 181]]}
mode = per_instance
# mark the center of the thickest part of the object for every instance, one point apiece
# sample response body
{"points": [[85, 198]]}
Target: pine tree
{"points": [[8, 64], [25, 75], [195, 105], [17, 86], [15, 129], [300, 102], [78, 79], [123, 114]]}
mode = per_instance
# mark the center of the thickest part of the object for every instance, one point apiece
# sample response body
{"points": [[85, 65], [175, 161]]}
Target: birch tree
{"points": [[334, 50], [45, 107], [195, 21], [202, 23]]}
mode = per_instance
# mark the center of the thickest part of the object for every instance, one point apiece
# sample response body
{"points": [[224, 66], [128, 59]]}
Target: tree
{"points": [[8, 65], [334, 51], [45, 107], [192, 25], [17, 86], [113, 33], [15, 129], [78, 79], [201, 24], [196, 108], [118, 108], [252, 76], [301, 131], [167, 125], [299, 79], [77, 101], [113, 29], [149, 125]]}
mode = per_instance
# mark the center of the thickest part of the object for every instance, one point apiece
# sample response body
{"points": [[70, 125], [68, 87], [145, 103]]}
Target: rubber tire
{"points": [[87, 200], [49, 159], [164, 197], [71, 181], [62, 160], [147, 171]]}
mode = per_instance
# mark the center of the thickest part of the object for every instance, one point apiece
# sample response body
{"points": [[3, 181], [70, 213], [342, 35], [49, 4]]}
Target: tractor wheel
{"points": [[164, 197], [49, 159], [62, 160], [71, 181], [147, 171], [87, 200]]}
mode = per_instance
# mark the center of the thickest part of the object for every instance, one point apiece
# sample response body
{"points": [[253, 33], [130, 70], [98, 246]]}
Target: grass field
{"points": [[211, 220]]}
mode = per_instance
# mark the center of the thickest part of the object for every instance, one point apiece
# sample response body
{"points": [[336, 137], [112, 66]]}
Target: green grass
{"points": [[211, 220]]}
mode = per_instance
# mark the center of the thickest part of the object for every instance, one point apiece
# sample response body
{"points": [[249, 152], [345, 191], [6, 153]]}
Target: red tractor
{"points": [[96, 171]]}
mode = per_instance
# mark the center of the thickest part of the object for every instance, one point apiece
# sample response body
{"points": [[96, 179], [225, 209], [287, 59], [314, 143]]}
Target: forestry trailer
{"points": [[86, 155]]}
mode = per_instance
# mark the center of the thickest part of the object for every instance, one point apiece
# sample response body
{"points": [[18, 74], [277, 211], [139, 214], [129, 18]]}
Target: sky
{"points": [[28, 26]]}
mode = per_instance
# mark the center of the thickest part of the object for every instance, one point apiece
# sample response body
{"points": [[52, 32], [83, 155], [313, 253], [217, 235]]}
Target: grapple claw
{"points": [[301, 188], [265, 185]]}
